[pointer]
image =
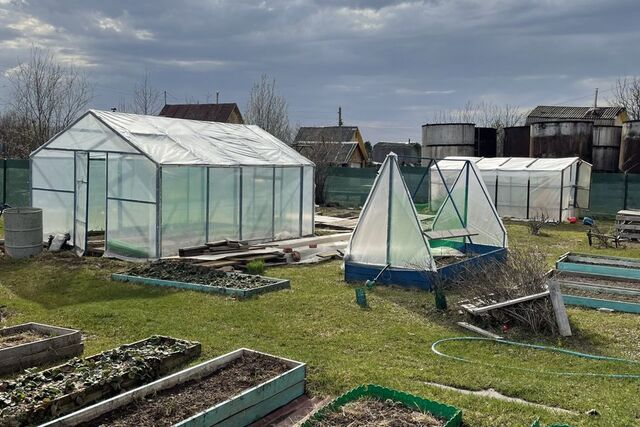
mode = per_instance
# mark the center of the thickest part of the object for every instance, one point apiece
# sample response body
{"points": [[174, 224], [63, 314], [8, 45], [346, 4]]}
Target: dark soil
{"points": [[171, 406], [192, 273], [601, 295], [604, 281], [374, 412], [21, 338]]}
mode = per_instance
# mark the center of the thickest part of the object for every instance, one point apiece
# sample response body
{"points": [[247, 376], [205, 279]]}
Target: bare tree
{"points": [[323, 154], [268, 109], [46, 95], [485, 114], [146, 98], [14, 130], [626, 93]]}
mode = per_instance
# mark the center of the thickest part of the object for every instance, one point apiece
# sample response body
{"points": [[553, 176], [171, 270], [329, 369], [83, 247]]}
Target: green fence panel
{"points": [[633, 191], [607, 194], [349, 187], [16, 188]]}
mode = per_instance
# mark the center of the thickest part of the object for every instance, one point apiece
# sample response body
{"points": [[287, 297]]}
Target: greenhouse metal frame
{"points": [[154, 185], [389, 245], [528, 188]]}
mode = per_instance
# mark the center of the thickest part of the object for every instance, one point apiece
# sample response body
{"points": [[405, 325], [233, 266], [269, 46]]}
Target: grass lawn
{"points": [[317, 322]]}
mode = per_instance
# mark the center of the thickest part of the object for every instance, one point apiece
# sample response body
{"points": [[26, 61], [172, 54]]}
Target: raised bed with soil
{"points": [[36, 397], [32, 344], [600, 265], [234, 389], [374, 405], [599, 291], [185, 275]]}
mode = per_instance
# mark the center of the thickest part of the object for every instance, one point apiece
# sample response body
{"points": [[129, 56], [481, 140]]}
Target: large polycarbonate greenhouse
{"points": [[525, 188], [154, 185]]}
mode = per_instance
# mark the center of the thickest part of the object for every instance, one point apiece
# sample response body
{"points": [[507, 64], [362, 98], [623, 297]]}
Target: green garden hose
{"points": [[538, 347]]}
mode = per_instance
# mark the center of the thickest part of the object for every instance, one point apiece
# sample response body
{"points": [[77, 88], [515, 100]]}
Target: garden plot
{"points": [[32, 344], [191, 276], [35, 397], [234, 389], [374, 405], [367, 412]]}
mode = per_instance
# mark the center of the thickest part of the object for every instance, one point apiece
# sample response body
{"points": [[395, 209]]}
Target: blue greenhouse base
{"points": [[424, 280]]}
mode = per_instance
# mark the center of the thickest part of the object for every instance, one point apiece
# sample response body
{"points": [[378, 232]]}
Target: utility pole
{"points": [[217, 97], [165, 97], [595, 102], [340, 116]]}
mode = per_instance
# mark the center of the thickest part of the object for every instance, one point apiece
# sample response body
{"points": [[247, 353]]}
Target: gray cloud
{"points": [[389, 64]]}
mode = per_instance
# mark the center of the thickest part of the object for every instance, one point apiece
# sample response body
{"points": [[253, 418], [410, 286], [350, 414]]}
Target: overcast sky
{"points": [[390, 65]]}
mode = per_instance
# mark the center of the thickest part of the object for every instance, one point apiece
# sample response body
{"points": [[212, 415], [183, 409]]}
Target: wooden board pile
{"points": [[628, 224], [230, 253]]}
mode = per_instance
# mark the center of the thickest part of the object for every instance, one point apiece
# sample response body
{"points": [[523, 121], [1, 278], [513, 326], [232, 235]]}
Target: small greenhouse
{"points": [[392, 245], [154, 185], [526, 188]]}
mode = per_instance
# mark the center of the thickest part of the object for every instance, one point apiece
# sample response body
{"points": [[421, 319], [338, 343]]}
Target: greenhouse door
{"points": [[80, 209]]}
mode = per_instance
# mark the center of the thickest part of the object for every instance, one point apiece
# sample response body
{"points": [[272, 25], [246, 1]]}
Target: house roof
{"points": [[206, 112], [327, 134], [170, 141], [339, 152], [407, 151], [544, 113]]}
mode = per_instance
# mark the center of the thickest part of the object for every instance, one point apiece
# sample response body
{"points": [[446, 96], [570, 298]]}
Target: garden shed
{"points": [[154, 185], [526, 188]]}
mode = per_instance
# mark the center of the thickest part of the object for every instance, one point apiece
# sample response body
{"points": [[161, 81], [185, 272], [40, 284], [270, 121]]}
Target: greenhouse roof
{"points": [[510, 163], [173, 141]]}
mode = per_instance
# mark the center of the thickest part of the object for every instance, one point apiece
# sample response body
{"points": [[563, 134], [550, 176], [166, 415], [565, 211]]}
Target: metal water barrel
{"points": [[606, 148], [516, 141], [22, 232], [486, 142], [448, 139], [630, 147], [562, 139]]}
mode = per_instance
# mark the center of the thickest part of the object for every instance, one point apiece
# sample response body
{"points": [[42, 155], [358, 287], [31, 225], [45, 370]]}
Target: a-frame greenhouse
{"points": [[391, 245], [154, 185]]}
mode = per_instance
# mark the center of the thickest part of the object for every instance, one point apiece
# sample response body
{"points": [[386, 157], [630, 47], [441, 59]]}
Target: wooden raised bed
{"points": [[581, 275], [450, 415], [600, 265], [274, 285], [56, 344], [239, 410], [44, 393]]}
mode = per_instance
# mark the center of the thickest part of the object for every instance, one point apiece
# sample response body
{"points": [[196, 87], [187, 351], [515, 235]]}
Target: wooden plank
{"points": [[449, 234], [223, 412], [218, 257], [604, 260], [478, 310], [631, 212], [314, 240], [261, 409], [479, 331], [628, 227], [627, 307], [562, 320]]}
